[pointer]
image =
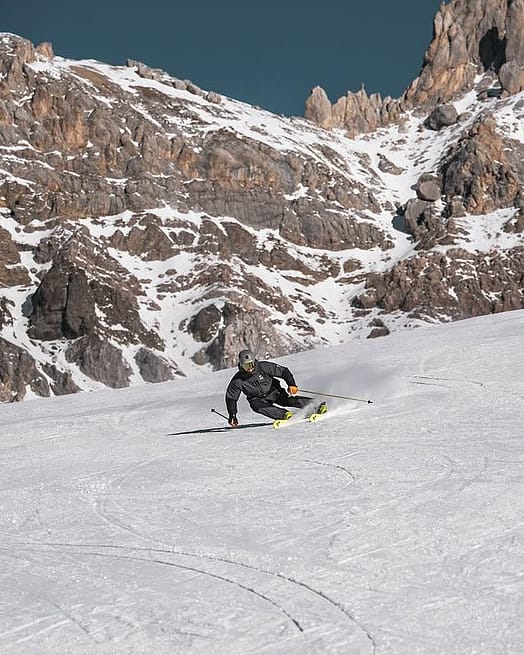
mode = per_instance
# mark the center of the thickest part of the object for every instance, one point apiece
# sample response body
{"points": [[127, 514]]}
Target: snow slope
{"points": [[132, 522]]}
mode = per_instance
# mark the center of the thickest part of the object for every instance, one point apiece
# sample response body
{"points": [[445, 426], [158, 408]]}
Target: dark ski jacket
{"points": [[258, 384]]}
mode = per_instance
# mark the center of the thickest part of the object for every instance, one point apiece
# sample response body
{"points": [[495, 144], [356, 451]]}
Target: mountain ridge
{"points": [[151, 229]]}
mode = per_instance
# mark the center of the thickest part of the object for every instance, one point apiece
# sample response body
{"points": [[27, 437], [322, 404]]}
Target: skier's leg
{"points": [[300, 401], [266, 407], [293, 401]]}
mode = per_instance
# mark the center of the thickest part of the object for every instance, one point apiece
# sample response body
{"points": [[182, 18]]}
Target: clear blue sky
{"points": [[269, 53]]}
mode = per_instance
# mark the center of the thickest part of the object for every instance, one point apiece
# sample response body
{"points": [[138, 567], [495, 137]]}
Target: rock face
{"points": [[100, 361], [18, 372], [458, 284], [154, 368], [442, 116], [62, 306], [355, 112], [470, 38], [424, 222], [150, 229], [237, 327], [428, 188], [478, 170]]}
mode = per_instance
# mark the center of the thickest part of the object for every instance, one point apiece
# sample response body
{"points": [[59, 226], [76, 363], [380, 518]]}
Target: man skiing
{"points": [[257, 380]]}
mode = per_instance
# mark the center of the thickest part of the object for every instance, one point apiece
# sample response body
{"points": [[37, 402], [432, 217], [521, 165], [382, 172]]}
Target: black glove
{"points": [[232, 420]]}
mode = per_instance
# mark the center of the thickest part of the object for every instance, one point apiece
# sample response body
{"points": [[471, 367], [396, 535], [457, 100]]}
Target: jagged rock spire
{"points": [[470, 37]]}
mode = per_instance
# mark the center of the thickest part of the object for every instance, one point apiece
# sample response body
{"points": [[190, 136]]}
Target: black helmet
{"points": [[246, 360]]}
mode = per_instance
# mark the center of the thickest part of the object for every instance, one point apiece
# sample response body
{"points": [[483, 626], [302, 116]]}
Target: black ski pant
{"points": [[267, 404]]}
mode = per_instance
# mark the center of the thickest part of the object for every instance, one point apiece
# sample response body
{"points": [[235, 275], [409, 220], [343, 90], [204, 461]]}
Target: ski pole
{"points": [[332, 395], [214, 411]]}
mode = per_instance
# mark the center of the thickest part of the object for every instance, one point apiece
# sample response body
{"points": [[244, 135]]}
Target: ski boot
{"points": [[320, 411], [282, 421], [322, 408]]}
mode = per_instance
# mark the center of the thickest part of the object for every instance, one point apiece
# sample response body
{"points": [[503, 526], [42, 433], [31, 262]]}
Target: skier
{"points": [[257, 380]]}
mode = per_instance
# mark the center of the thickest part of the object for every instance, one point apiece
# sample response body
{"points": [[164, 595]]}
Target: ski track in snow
{"points": [[104, 511], [385, 529]]}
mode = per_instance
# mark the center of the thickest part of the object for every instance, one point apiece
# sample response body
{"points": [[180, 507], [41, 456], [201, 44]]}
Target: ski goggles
{"points": [[248, 366]]}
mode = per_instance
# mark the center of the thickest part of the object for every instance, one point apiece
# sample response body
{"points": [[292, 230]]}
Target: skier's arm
{"points": [[283, 372], [232, 396]]}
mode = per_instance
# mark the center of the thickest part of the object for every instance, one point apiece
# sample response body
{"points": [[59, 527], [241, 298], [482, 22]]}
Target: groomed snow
{"points": [[132, 522]]}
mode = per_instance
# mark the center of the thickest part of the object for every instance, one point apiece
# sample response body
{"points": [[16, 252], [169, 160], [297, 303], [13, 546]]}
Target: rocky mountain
{"points": [[150, 229], [470, 38]]}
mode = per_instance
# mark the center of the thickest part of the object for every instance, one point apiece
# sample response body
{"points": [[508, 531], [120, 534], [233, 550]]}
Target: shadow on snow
{"points": [[219, 430]]}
